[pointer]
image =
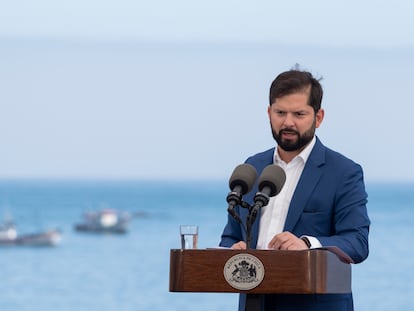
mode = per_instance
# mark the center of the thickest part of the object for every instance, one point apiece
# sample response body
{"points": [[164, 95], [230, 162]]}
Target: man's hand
{"points": [[239, 245], [287, 241]]}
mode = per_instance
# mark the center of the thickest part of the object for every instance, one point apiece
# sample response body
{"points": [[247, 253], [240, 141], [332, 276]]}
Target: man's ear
{"points": [[319, 117]]}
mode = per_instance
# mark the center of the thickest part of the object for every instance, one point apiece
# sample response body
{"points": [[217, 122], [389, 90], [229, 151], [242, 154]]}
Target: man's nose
{"points": [[289, 120]]}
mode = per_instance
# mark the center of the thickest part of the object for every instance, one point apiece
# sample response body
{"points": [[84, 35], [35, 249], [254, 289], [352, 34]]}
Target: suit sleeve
{"points": [[350, 218]]}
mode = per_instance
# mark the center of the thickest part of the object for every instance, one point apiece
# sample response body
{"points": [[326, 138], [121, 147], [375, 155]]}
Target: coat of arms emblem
{"points": [[244, 271]]}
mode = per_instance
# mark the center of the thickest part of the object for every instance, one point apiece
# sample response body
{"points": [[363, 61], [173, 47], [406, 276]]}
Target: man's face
{"points": [[293, 121]]}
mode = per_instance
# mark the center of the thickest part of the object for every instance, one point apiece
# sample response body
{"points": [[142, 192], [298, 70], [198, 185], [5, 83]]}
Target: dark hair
{"points": [[294, 81]]}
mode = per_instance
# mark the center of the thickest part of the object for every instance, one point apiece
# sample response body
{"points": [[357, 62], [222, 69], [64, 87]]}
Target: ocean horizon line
{"points": [[184, 180]]}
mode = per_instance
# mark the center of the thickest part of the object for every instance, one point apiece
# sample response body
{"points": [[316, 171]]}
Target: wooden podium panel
{"points": [[315, 271]]}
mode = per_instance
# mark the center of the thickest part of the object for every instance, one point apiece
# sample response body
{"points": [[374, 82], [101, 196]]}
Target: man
{"points": [[323, 201]]}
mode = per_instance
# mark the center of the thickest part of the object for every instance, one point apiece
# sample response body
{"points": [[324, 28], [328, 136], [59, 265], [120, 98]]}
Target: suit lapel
{"points": [[306, 185]]}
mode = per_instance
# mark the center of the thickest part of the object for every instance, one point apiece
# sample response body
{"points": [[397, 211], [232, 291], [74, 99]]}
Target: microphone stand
{"points": [[260, 199], [248, 226], [235, 199], [249, 221]]}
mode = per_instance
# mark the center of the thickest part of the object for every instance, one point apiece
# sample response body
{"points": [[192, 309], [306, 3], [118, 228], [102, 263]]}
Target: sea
{"points": [[130, 272]]}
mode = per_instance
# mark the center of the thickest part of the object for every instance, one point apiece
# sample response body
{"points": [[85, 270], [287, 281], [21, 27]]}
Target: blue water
{"points": [[88, 272]]}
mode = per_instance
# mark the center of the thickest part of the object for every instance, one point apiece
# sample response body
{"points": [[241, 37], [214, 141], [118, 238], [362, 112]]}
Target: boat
{"points": [[105, 221], [9, 236], [8, 232]]}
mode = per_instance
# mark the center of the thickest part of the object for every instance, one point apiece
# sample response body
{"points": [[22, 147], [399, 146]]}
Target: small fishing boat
{"points": [[105, 221], [9, 236]]}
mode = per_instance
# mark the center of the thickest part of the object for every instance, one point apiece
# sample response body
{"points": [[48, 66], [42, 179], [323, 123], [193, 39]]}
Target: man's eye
{"points": [[300, 114], [280, 113]]}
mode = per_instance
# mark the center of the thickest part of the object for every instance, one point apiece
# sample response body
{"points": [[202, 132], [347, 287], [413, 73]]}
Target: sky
{"points": [[178, 89]]}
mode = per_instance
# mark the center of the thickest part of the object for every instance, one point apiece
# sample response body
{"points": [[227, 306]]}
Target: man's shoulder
{"points": [[264, 154], [335, 157], [264, 157]]}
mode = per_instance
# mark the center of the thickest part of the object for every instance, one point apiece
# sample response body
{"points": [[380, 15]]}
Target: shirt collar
{"points": [[304, 155]]}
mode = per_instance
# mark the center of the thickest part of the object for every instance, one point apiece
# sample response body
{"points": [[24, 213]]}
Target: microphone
{"points": [[240, 183], [271, 181]]}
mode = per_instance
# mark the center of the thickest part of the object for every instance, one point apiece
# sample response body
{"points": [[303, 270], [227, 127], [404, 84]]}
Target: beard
{"points": [[294, 145]]}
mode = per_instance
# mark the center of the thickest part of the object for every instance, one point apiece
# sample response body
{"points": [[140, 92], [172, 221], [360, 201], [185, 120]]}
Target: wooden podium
{"points": [[315, 271]]}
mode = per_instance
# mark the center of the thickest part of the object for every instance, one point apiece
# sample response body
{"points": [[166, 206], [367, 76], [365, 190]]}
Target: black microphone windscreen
{"points": [[273, 177], [244, 175]]}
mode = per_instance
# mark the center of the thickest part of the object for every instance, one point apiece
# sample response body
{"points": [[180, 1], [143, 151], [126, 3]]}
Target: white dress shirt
{"points": [[273, 215]]}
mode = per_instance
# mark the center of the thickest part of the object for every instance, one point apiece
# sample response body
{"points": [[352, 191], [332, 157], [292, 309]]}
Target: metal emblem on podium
{"points": [[244, 271]]}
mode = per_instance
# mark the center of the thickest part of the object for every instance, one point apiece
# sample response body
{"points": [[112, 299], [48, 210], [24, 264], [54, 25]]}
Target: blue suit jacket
{"points": [[329, 203]]}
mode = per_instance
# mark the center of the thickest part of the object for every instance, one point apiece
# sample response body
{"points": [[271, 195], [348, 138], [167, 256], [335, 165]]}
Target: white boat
{"points": [[9, 236], [105, 221]]}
